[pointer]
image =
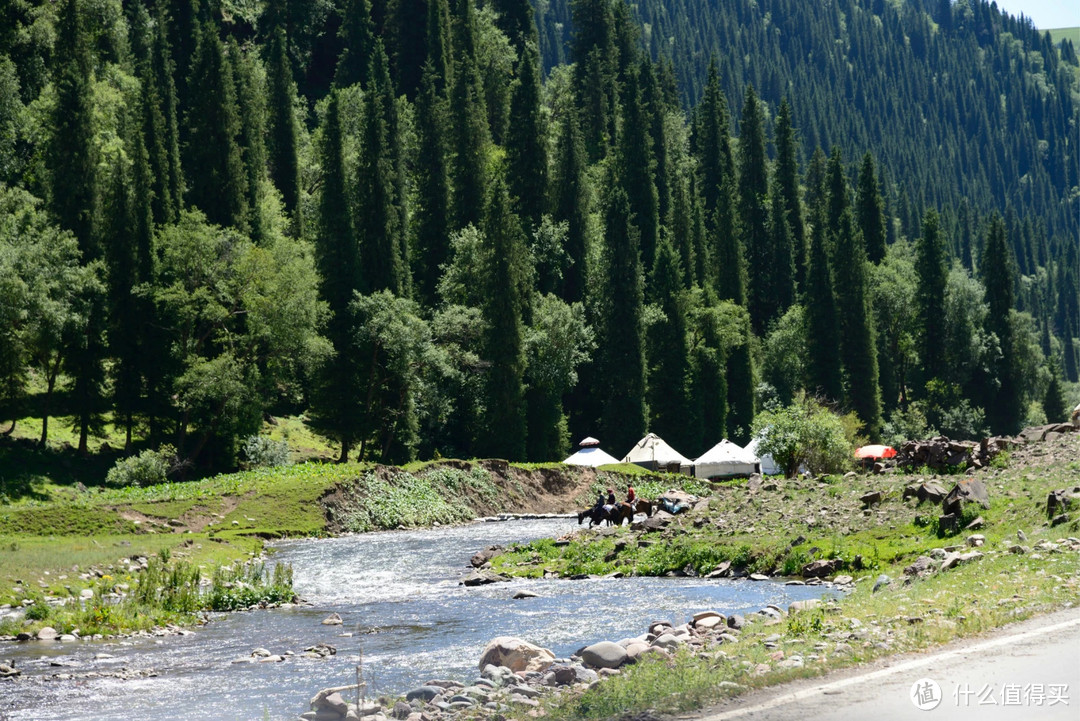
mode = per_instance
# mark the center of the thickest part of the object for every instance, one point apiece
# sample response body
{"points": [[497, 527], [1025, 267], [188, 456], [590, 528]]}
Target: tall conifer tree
{"points": [[787, 185], [432, 216], [823, 331], [526, 143], [669, 353], [1003, 404], [358, 40], [337, 408], [505, 298], [571, 205], [470, 136], [621, 354], [636, 170], [930, 298], [213, 158], [378, 221], [782, 256], [869, 209], [251, 97], [753, 212], [283, 129], [858, 350]]}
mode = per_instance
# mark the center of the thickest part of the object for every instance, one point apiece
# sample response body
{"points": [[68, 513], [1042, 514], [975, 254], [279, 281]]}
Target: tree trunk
{"points": [[127, 436], [46, 405], [345, 446]]}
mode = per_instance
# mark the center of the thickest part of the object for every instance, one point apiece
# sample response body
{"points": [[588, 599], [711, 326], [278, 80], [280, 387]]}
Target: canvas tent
{"points": [[591, 455], [723, 460], [769, 467], [654, 453]]}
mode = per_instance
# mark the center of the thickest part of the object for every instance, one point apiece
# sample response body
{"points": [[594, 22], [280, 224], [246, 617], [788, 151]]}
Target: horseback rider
{"points": [[610, 504]]}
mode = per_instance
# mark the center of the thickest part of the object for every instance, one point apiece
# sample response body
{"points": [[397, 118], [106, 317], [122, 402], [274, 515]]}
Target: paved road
{"points": [[1029, 671]]}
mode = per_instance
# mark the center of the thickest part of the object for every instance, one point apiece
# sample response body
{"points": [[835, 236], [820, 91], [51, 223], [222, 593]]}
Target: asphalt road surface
{"points": [[1028, 671]]}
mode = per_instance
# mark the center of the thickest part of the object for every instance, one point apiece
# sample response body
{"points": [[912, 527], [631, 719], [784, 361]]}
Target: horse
{"points": [[595, 515]]}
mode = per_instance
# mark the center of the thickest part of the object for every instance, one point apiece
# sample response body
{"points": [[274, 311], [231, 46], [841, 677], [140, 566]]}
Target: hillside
{"points": [[406, 225]]}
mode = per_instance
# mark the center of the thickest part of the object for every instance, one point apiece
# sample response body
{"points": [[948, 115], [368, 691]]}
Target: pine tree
{"points": [[753, 212], [70, 155], [593, 53], [282, 126], [930, 297], [1003, 404], [669, 353], [1053, 401], [358, 40], [251, 97], [121, 264], [782, 259], [526, 143], [432, 216], [636, 171], [858, 351], [714, 147], [621, 354], [653, 99], [836, 190], [505, 297], [823, 373], [74, 196], [515, 19], [571, 204], [169, 165], [787, 185], [336, 406], [869, 209], [708, 381], [470, 137], [213, 158], [378, 220]]}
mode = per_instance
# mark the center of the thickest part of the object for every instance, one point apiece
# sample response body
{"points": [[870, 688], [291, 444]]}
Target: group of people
{"points": [[607, 504]]}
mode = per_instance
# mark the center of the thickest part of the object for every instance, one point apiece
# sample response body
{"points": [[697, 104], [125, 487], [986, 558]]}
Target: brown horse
{"points": [[627, 511]]}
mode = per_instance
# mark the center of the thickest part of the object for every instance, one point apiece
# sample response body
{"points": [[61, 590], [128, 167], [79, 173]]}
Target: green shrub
{"points": [[39, 611], [149, 468], [806, 433], [264, 452]]}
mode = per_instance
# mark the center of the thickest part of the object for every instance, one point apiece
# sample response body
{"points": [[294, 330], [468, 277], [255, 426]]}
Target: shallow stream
{"points": [[398, 595]]}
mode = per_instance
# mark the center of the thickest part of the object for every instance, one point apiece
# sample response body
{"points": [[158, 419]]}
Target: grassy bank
{"points": [[1023, 566], [61, 537]]}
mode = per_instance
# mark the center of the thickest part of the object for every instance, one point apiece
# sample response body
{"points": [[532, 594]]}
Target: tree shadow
{"points": [[25, 467]]}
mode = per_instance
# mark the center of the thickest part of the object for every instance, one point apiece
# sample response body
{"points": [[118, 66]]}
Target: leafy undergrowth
{"points": [[164, 593]]}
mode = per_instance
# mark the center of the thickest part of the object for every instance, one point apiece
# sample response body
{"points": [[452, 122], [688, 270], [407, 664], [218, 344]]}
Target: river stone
{"points": [[67, 638], [525, 594], [48, 633], [668, 642], [806, 605], [736, 620], [634, 649], [604, 655], [401, 710], [758, 577], [318, 700], [821, 567], [260, 652], [712, 620], [332, 620], [515, 654], [424, 693], [335, 702]]}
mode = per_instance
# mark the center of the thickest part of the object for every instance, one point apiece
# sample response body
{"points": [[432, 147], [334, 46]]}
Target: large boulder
{"points": [[1061, 500], [821, 567], [517, 655], [483, 578], [482, 557], [604, 655], [969, 490]]}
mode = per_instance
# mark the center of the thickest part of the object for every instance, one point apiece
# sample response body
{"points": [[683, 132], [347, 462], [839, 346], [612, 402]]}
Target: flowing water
{"points": [[398, 595]]}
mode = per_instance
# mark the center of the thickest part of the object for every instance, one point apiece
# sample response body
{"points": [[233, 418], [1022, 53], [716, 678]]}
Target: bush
{"points": [[806, 433], [263, 452], [149, 468]]}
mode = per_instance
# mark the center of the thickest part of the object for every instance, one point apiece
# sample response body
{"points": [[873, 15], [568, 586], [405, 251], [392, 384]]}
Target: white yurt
{"points": [[769, 466], [725, 460], [654, 453], [590, 454]]}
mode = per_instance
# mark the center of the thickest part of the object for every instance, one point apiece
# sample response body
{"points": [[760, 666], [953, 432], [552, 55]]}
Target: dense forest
{"points": [[447, 227]]}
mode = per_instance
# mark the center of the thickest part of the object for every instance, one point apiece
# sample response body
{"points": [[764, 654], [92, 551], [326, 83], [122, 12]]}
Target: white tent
{"points": [[769, 467], [725, 459], [591, 456], [654, 453]]}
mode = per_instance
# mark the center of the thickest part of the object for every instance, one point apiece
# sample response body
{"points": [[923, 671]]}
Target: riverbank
{"points": [[67, 543], [916, 580]]}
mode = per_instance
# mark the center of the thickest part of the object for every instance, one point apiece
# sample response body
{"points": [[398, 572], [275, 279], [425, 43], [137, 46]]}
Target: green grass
{"points": [[1059, 34]]}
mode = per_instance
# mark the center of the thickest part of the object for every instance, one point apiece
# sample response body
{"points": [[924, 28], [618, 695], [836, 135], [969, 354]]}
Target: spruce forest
{"points": [[483, 228]]}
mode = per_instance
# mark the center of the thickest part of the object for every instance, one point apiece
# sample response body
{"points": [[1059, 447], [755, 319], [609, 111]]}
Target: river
{"points": [[398, 595]]}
